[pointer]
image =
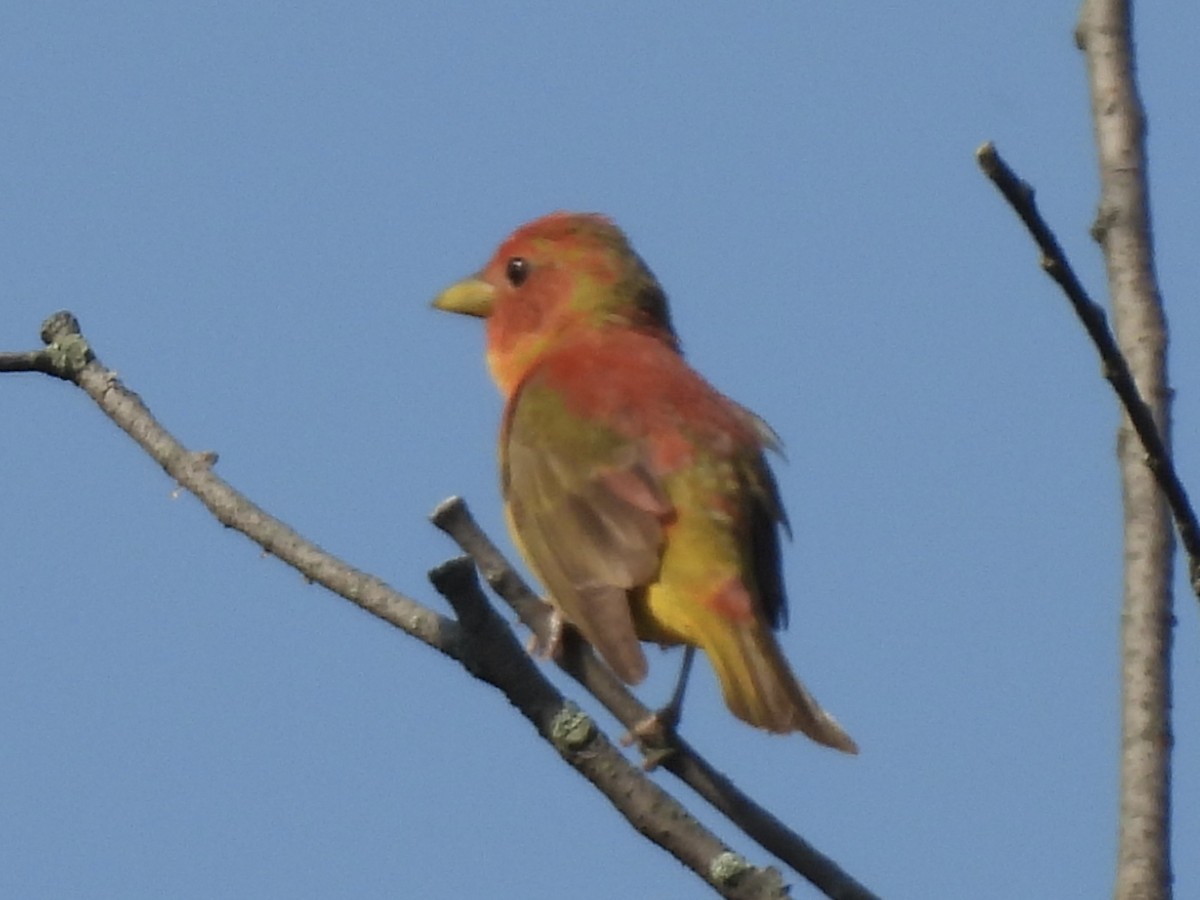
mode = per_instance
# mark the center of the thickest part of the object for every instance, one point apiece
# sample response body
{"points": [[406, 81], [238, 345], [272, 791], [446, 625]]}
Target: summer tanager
{"points": [[638, 494]]}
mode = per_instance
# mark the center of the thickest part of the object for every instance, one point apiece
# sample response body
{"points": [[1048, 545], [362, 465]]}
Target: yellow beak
{"points": [[471, 297]]}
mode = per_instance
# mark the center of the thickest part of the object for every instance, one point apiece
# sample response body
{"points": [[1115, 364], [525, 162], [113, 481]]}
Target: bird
{"points": [[639, 495]]}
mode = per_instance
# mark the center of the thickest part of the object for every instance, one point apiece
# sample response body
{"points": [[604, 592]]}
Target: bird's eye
{"points": [[517, 271]]}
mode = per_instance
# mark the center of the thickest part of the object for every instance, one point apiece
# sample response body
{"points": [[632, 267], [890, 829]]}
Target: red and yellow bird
{"points": [[638, 493]]}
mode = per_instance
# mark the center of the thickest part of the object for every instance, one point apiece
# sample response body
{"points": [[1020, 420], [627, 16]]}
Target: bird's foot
{"points": [[654, 736]]}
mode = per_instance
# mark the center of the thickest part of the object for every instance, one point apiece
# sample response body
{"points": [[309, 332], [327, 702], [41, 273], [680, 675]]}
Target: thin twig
{"points": [[479, 640], [1115, 369], [454, 518], [32, 361]]}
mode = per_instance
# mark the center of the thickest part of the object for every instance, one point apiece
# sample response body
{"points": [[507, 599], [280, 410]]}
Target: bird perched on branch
{"points": [[638, 494]]}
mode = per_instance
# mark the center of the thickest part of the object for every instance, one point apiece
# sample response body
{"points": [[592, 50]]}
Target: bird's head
{"points": [[561, 276]]}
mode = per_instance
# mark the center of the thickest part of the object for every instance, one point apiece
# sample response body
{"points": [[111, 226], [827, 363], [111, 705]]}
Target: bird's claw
{"points": [[654, 736]]}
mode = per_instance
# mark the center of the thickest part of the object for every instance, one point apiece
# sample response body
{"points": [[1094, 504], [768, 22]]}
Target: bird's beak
{"points": [[471, 297]]}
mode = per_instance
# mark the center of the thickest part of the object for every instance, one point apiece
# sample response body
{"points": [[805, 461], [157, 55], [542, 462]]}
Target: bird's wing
{"points": [[588, 513]]}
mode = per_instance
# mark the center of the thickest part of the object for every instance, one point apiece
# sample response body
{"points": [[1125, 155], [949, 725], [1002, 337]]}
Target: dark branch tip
{"points": [[1001, 175], [986, 155], [453, 575], [457, 581]]}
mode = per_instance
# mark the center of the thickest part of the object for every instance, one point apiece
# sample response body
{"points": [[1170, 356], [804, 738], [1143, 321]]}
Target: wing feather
{"points": [[589, 514]]}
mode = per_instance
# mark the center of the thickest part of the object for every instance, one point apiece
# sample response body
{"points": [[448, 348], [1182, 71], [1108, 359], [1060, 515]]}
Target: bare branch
{"points": [[1020, 196], [1122, 228], [651, 810], [479, 640], [70, 358], [31, 361], [578, 661]]}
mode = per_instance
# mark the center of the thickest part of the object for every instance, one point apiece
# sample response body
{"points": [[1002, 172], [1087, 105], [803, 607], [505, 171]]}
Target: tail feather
{"points": [[760, 688]]}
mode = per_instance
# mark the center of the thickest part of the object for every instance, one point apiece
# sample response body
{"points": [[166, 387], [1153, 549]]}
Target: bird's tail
{"points": [[760, 688]]}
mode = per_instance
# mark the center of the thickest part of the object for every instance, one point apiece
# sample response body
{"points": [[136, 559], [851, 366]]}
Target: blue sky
{"points": [[249, 207]]}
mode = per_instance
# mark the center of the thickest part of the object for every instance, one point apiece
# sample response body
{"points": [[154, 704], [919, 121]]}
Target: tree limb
{"points": [[1020, 195], [652, 811], [1122, 228]]}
